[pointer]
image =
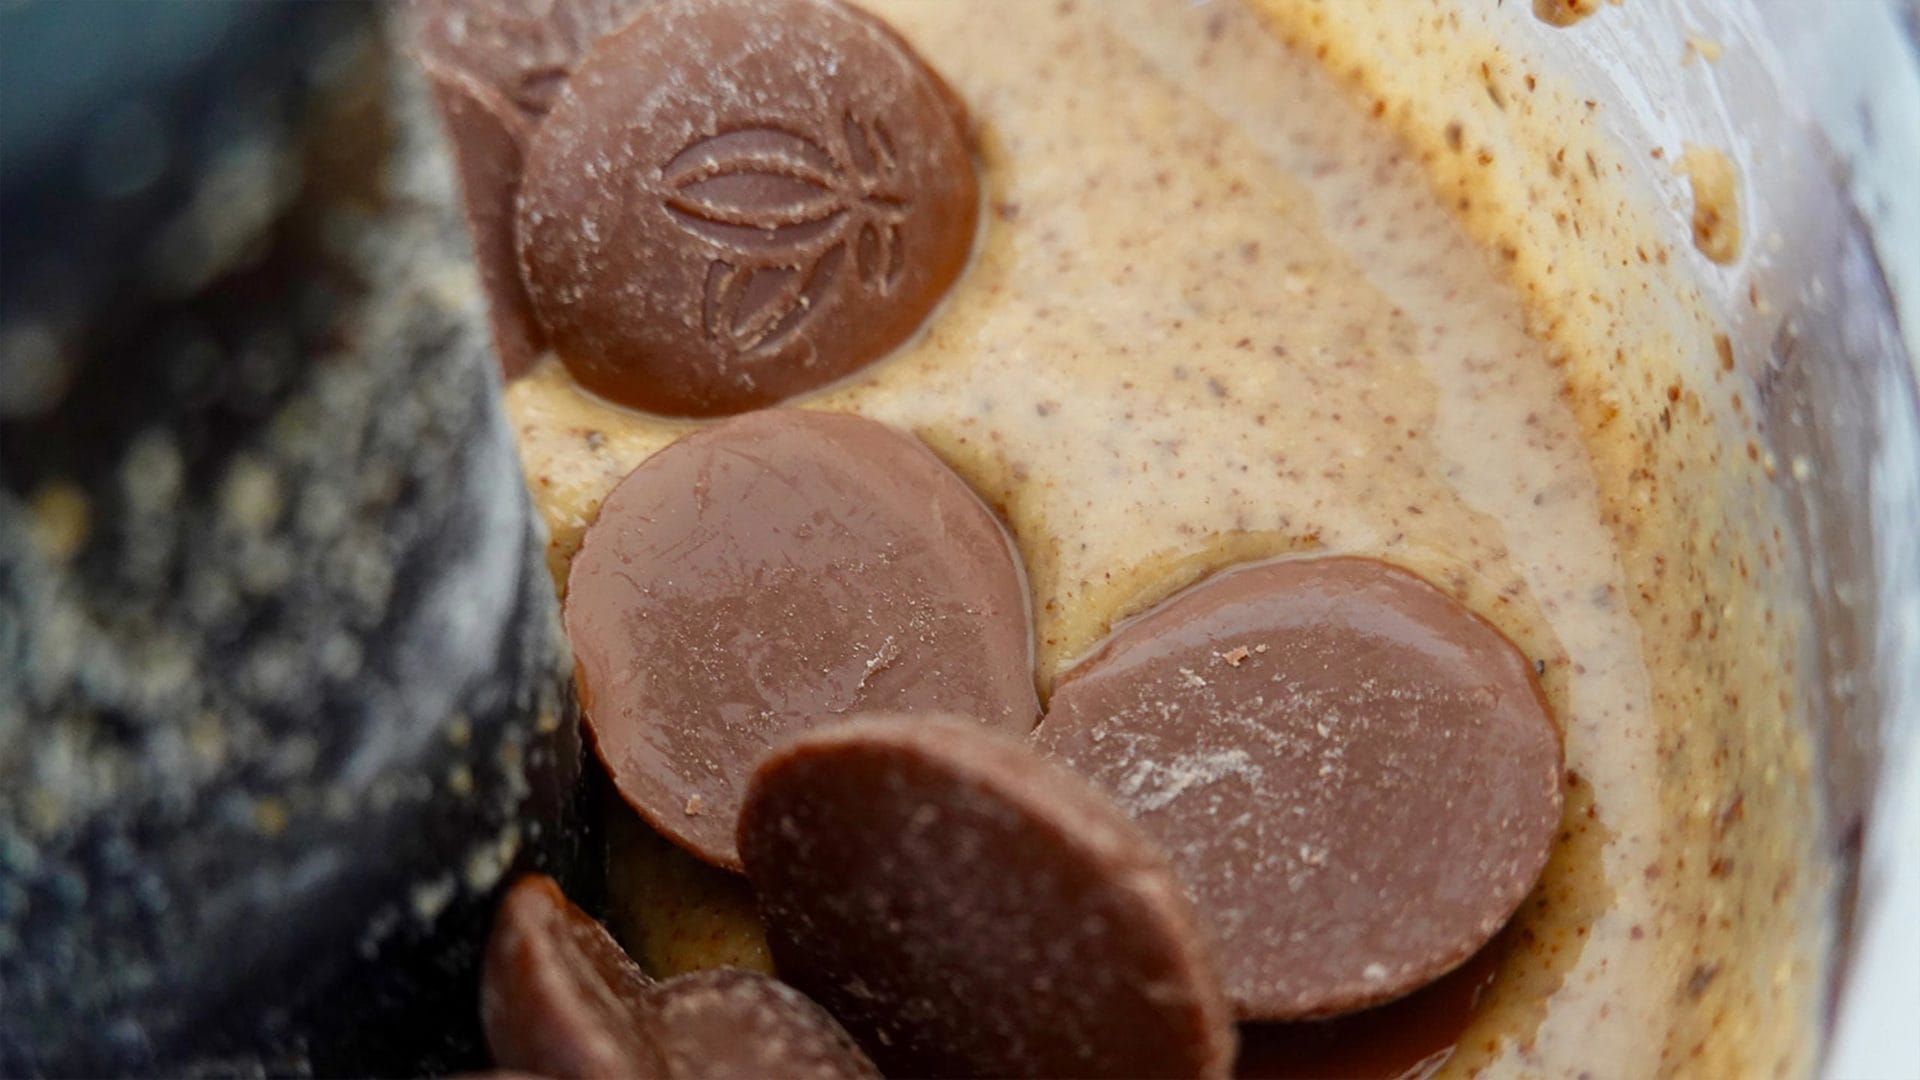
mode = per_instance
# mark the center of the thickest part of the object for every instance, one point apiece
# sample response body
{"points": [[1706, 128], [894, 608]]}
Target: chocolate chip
{"points": [[725, 1023], [735, 202], [560, 998], [485, 137], [496, 67], [968, 909], [774, 572], [1358, 778], [522, 50]]}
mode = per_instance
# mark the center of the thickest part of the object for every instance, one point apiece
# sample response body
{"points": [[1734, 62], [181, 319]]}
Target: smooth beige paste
{"points": [[1296, 280]]}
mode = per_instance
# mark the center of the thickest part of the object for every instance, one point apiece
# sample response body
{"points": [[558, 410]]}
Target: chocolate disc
{"points": [[968, 909], [1357, 777], [734, 202], [496, 67], [774, 572], [558, 996], [485, 136], [724, 1024], [522, 50]]}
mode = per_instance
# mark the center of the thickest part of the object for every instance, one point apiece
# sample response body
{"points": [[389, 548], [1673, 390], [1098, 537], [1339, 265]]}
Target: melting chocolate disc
{"points": [[968, 909], [773, 573], [1357, 777], [735, 202], [561, 999]]}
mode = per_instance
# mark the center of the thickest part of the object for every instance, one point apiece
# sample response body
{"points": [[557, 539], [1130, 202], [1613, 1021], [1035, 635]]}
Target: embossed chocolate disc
{"points": [[734, 202], [1357, 777], [774, 572], [560, 998], [969, 909], [496, 67]]}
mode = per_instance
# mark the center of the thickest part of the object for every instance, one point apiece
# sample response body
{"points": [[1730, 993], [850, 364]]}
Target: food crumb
{"points": [[270, 816], [1563, 12], [1236, 655], [62, 520], [695, 804], [1705, 48], [1716, 202]]}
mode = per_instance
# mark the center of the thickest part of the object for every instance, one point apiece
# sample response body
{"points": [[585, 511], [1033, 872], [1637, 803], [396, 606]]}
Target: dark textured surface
{"points": [[281, 687]]}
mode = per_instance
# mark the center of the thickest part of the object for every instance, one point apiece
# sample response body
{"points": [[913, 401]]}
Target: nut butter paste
{"points": [[1278, 277]]}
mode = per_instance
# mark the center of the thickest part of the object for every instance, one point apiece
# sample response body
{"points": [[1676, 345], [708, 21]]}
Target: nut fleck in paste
{"points": [[1351, 278]]}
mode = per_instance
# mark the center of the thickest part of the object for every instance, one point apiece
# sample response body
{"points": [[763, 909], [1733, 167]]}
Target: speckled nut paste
{"points": [[1355, 278]]}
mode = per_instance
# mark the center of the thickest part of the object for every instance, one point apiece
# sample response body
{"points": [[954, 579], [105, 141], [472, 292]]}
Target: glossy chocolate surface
{"points": [[1357, 777], [732, 203], [969, 909], [773, 573]]}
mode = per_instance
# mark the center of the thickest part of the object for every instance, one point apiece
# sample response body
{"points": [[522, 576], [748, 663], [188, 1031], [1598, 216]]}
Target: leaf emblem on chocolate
{"points": [[787, 215]]}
